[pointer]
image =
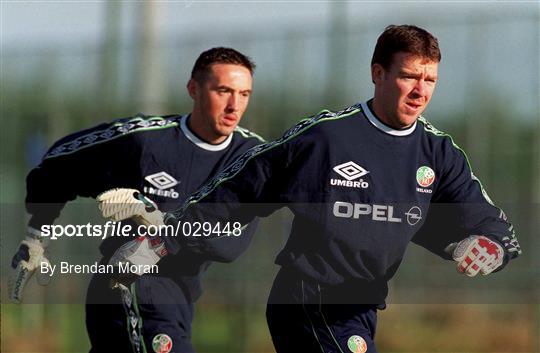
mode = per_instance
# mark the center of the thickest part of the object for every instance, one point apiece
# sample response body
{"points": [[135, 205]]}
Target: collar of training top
{"points": [[200, 143], [383, 127]]}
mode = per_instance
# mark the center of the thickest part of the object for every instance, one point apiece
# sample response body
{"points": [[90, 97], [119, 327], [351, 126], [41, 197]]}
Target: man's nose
{"points": [[232, 104], [420, 88]]}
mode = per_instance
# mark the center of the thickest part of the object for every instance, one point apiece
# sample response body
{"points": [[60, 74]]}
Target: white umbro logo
{"points": [[161, 180], [350, 170]]}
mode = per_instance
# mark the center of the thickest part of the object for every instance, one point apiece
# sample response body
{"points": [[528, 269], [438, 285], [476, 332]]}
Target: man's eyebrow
{"points": [[409, 73], [228, 88], [415, 74]]}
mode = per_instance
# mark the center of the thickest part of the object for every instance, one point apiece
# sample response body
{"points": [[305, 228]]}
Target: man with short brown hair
{"points": [[158, 159], [360, 182]]}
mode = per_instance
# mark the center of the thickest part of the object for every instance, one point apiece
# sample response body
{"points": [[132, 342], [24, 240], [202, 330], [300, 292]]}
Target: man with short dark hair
{"points": [[360, 182], [162, 160]]}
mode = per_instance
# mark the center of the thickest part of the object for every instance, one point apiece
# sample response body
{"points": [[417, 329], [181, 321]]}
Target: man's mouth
{"points": [[413, 106], [230, 119]]}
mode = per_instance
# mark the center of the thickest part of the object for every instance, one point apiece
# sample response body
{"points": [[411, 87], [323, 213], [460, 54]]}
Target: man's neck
{"points": [[377, 110], [202, 132]]}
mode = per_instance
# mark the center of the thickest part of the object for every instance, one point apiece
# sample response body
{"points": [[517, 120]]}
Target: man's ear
{"points": [[192, 87], [377, 73]]}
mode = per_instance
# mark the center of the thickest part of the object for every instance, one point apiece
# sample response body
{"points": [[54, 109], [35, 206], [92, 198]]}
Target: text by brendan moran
{"points": [[122, 268]]}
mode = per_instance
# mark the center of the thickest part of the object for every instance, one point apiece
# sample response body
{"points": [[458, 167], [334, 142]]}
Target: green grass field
{"points": [[402, 328]]}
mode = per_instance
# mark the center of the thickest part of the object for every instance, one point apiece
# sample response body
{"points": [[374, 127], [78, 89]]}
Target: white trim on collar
{"points": [[202, 144], [385, 128]]}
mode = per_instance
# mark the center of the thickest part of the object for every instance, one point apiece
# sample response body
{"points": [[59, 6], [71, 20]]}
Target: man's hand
{"points": [[24, 263], [120, 204], [475, 254], [139, 255]]}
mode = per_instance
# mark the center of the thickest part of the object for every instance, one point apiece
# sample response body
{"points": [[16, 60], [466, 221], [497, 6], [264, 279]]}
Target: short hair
{"points": [[220, 55], [405, 38]]}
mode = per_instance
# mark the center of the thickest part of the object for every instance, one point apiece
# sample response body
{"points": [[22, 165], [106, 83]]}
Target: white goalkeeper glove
{"points": [[120, 204], [477, 253], [25, 262]]}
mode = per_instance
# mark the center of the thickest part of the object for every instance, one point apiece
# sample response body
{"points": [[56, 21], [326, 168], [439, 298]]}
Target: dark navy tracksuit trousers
{"points": [[301, 320], [150, 315]]}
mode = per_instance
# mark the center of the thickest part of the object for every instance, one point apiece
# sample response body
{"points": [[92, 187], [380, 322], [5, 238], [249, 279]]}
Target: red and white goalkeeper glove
{"points": [[139, 255], [143, 252], [477, 253]]}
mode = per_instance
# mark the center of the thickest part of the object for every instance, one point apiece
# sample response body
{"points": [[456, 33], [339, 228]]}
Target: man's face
{"points": [[403, 91], [219, 101]]}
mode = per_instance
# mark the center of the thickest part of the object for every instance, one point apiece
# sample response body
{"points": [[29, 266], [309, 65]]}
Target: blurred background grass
{"points": [[70, 65], [218, 328]]}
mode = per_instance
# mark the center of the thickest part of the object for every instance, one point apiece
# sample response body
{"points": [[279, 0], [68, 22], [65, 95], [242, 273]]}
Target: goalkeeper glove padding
{"points": [[477, 253], [142, 252], [120, 204], [25, 262]]}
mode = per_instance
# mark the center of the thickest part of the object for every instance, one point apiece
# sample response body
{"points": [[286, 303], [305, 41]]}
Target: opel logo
{"points": [[414, 215]]}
